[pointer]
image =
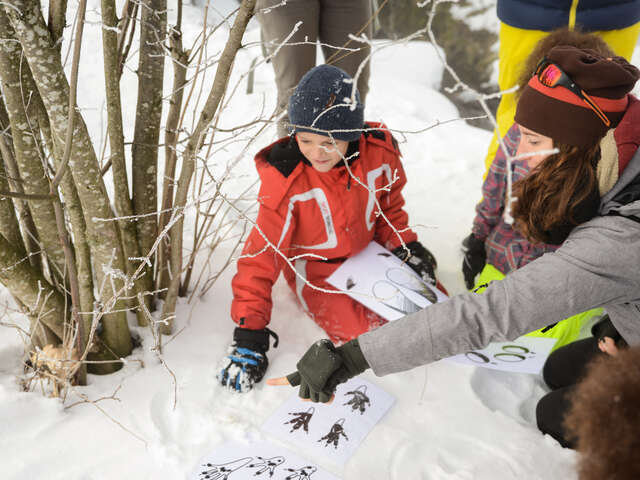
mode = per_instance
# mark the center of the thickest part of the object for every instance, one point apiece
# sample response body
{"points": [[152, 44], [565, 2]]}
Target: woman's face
{"points": [[532, 142], [323, 152]]}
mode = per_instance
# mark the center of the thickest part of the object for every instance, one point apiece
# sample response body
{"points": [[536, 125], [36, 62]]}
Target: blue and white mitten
{"points": [[246, 361]]}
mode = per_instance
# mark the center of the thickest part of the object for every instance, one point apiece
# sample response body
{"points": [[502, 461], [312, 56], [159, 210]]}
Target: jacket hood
{"points": [[627, 133], [622, 163]]}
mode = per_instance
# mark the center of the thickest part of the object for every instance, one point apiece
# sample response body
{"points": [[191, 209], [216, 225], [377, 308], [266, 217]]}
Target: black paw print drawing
{"points": [[266, 465], [223, 470], [303, 473], [301, 419], [350, 283], [359, 399], [334, 434]]}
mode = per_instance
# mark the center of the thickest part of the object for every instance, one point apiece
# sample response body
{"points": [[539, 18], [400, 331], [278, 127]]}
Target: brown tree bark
{"points": [[180, 59], [57, 21], [9, 227], [44, 302], [103, 235], [27, 226], [195, 144], [122, 200], [153, 27], [31, 169]]}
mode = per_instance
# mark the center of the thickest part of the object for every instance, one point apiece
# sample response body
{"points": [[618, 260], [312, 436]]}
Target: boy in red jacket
{"points": [[327, 191]]}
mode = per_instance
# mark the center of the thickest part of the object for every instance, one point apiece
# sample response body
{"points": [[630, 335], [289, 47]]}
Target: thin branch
{"points": [[86, 399], [27, 196], [82, 7]]}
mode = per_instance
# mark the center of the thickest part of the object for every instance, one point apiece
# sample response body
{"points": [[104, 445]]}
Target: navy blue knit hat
{"points": [[321, 103]]}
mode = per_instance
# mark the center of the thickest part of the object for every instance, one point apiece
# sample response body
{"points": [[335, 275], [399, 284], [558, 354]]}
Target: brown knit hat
{"points": [[561, 114]]}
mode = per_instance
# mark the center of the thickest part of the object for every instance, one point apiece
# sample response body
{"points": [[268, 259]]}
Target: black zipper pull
{"points": [[349, 182]]}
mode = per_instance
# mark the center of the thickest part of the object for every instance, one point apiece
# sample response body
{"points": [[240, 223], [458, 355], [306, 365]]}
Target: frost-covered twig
{"points": [[480, 98], [157, 348], [86, 399]]}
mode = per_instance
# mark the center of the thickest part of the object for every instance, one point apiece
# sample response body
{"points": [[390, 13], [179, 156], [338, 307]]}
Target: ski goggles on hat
{"points": [[551, 75]]}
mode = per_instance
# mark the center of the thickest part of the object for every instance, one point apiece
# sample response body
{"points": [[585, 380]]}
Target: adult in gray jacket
{"points": [[587, 194]]}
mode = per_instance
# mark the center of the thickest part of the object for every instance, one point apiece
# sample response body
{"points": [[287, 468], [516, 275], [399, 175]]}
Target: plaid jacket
{"points": [[506, 248]]}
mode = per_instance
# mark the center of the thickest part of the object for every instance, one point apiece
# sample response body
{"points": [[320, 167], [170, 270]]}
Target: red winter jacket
{"points": [[303, 211]]}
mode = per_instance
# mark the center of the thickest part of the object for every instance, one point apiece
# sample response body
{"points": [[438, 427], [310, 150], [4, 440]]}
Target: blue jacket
{"points": [[588, 15]]}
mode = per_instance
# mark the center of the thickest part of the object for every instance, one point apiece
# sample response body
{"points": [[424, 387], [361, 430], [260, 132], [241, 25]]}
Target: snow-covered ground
{"points": [[449, 422]]}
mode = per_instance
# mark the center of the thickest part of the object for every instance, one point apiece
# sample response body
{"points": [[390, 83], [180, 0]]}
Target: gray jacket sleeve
{"points": [[595, 267]]}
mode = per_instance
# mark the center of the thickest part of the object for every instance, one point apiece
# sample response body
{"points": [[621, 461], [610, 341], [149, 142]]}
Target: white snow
{"points": [[449, 422]]}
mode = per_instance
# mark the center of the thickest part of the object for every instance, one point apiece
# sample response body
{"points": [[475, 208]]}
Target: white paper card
{"points": [[256, 460], [332, 431], [523, 355], [380, 281]]}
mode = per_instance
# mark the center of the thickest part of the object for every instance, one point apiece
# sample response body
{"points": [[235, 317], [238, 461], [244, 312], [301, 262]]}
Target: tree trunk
{"points": [[180, 59], [27, 155], [116, 146], [29, 232], [103, 236], [80, 260], [195, 143], [43, 301], [153, 27], [78, 226], [57, 21], [8, 222]]}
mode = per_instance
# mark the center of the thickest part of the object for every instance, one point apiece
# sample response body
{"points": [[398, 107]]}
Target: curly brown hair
{"points": [[560, 36], [560, 193], [604, 418]]}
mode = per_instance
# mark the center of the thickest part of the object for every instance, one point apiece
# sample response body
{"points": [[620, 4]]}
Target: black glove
{"points": [[605, 328], [246, 361], [419, 259], [475, 258], [324, 367]]}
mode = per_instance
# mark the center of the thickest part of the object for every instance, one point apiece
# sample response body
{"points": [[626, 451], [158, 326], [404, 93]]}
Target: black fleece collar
{"points": [[585, 211], [285, 156]]}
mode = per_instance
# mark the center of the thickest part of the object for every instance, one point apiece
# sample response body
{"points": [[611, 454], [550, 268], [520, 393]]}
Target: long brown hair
{"points": [[560, 193]]}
